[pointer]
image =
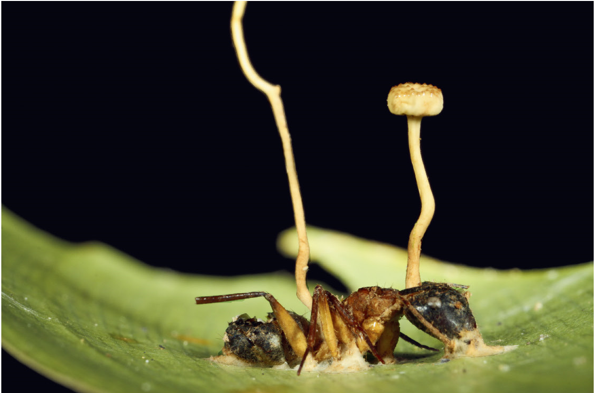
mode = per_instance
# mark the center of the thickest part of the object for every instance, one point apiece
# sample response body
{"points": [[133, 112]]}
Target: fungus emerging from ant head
{"points": [[460, 333], [340, 331], [416, 101]]}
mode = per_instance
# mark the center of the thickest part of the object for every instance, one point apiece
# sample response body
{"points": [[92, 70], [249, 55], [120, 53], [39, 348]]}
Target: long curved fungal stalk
{"points": [[273, 94], [416, 101]]}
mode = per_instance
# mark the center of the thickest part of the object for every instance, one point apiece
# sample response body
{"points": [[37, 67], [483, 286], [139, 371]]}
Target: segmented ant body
{"points": [[366, 321]]}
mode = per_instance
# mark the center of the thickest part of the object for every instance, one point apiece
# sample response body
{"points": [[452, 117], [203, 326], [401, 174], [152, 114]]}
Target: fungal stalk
{"points": [[416, 101], [273, 94]]}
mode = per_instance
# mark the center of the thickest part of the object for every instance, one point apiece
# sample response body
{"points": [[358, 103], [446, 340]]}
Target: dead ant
{"points": [[368, 319]]}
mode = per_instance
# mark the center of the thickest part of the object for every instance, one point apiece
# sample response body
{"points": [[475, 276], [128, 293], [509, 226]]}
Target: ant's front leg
{"points": [[415, 343]]}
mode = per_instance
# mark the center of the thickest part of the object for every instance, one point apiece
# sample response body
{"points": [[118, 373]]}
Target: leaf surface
{"points": [[96, 320]]}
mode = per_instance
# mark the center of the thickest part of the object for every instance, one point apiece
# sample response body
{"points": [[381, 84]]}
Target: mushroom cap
{"points": [[414, 99]]}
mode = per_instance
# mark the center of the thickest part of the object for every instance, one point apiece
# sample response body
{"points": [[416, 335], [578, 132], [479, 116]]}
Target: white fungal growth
{"points": [[434, 302], [274, 341]]}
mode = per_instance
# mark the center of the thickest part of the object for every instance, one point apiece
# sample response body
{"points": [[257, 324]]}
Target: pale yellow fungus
{"points": [[273, 94], [416, 101]]}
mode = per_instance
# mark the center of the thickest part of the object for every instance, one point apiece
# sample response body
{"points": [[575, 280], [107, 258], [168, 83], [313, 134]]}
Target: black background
{"points": [[132, 124]]}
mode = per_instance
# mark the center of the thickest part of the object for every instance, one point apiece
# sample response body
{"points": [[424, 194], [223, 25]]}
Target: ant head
{"points": [[443, 306], [446, 307]]}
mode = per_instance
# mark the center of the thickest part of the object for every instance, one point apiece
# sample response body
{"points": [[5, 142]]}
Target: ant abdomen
{"points": [[253, 341], [259, 343]]}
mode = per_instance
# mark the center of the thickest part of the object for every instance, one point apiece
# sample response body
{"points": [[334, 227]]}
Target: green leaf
{"points": [[97, 320], [548, 313]]}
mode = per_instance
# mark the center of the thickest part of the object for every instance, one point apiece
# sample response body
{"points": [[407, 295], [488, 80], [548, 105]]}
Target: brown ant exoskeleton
{"points": [[368, 319]]}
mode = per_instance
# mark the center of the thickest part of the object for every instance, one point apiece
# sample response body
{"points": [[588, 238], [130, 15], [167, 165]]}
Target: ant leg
{"points": [[228, 298], [290, 328], [413, 342], [430, 328], [320, 310], [292, 331], [326, 323], [311, 335], [388, 339], [353, 325]]}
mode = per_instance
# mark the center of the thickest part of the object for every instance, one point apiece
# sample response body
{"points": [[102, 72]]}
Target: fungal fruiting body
{"points": [[273, 94], [341, 331], [416, 101], [443, 306]]}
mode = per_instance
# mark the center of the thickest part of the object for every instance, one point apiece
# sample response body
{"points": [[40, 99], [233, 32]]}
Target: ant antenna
{"points": [[273, 94]]}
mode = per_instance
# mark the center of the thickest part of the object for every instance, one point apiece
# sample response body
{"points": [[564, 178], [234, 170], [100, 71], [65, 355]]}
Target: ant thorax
{"points": [[378, 311]]}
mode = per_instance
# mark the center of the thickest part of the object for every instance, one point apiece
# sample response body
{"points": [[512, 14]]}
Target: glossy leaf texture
{"points": [[96, 320]]}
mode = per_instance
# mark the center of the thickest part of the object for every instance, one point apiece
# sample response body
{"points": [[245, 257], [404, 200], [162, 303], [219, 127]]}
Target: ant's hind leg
{"points": [[290, 328], [228, 298]]}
